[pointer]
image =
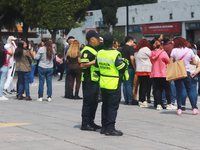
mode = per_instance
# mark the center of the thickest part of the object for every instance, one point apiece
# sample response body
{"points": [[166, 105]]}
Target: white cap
{"points": [[100, 38], [11, 38]]}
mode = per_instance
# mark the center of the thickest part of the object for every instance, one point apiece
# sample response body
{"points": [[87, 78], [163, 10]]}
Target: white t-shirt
{"points": [[193, 67]]}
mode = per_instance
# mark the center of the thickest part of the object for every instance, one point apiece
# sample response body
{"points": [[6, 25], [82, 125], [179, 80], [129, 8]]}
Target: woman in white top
{"points": [[143, 69]]}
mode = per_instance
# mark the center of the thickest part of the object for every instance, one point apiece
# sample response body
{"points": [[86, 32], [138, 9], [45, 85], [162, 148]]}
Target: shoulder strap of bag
{"points": [[184, 55]]}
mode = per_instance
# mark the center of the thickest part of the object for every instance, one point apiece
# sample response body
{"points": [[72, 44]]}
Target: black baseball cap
{"points": [[92, 33], [108, 39]]}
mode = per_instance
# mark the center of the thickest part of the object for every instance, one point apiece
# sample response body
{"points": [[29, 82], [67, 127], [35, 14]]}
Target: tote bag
{"points": [[176, 70]]}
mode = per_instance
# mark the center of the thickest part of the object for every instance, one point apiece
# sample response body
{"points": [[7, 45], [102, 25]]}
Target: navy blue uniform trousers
{"points": [[90, 101], [111, 100]]}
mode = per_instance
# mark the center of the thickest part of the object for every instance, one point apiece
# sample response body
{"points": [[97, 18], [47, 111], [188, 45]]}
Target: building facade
{"points": [[178, 17]]}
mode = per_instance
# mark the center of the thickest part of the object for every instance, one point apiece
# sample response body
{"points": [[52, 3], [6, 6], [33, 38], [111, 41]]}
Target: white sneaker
{"points": [[49, 99], [33, 84], [144, 104], [159, 107], [3, 98], [172, 107], [39, 99]]}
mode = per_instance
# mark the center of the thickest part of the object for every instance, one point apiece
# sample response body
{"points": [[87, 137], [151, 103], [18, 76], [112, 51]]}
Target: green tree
{"points": [[109, 12], [117, 35], [54, 14], [8, 12]]}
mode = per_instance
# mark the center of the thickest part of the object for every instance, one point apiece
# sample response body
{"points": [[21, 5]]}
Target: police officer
{"points": [[89, 82], [111, 67]]}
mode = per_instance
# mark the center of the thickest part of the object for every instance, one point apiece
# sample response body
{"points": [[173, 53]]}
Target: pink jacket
{"points": [[159, 60]]}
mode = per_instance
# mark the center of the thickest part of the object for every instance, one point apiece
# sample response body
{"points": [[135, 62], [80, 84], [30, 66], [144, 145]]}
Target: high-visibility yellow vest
{"points": [[94, 76], [109, 74]]}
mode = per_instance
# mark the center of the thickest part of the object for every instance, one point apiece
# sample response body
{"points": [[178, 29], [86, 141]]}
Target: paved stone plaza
{"points": [[32, 125]]}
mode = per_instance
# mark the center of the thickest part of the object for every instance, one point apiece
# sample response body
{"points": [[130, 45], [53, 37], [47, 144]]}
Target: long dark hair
{"points": [[192, 44], [49, 50], [19, 50], [2, 54]]}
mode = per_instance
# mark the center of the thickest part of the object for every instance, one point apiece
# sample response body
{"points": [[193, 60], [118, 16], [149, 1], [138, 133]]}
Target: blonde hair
{"points": [[157, 44], [74, 49]]}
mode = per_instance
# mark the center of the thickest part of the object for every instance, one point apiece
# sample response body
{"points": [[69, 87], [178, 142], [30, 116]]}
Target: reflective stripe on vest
{"points": [[94, 76]]}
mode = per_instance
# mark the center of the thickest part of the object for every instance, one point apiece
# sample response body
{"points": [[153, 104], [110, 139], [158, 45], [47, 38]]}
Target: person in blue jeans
{"points": [[45, 73], [23, 67], [127, 52], [194, 69], [3, 68], [128, 87], [194, 90], [33, 66], [45, 69], [173, 94], [182, 52]]}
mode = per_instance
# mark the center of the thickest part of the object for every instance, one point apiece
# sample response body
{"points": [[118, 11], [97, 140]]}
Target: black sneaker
{"points": [[126, 103], [102, 130], [113, 132], [183, 108], [148, 101], [66, 96], [95, 126], [88, 128], [13, 91], [77, 97], [164, 106]]}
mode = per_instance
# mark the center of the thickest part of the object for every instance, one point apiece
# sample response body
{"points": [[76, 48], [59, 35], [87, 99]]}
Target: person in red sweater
{"points": [[159, 59]]}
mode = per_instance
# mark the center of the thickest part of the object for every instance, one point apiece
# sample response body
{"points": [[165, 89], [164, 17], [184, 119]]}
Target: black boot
{"points": [[76, 96], [71, 95]]}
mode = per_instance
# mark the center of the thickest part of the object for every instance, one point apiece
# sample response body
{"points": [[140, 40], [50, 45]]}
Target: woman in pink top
{"points": [[3, 68], [159, 60], [180, 49]]}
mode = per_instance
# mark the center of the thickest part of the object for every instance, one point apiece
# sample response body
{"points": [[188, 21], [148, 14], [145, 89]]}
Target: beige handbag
{"points": [[176, 70]]}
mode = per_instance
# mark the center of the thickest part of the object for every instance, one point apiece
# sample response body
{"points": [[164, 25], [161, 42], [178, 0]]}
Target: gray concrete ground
{"points": [[28, 125]]}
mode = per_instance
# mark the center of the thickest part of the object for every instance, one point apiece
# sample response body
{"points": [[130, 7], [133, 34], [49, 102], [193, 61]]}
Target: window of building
{"points": [[133, 19], [62, 32], [42, 31], [151, 18], [171, 16], [192, 14]]}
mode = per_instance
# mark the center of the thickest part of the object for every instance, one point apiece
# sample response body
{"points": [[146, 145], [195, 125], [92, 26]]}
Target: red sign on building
{"points": [[161, 28]]}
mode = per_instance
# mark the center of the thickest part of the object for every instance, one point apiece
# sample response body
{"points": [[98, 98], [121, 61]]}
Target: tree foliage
{"points": [[7, 7], [109, 12], [117, 35], [54, 14], [109, 8], [8, 14]]}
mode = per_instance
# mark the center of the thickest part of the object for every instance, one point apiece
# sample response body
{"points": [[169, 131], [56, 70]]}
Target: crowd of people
{"points": [[103, 65], [26, 59]]}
